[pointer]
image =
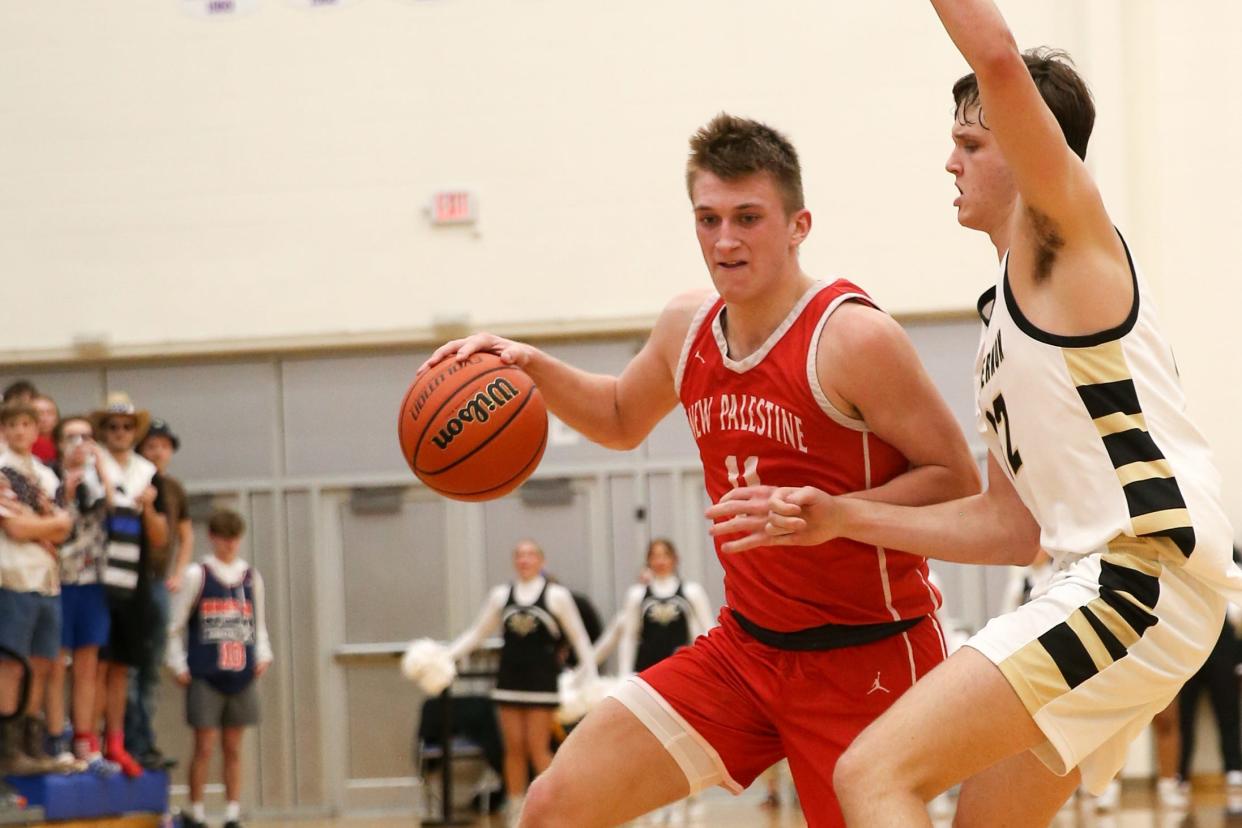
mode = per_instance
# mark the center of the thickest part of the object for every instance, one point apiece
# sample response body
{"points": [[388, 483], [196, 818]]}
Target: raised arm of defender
{"points": [[1059, 227], [616, 412], [1050, 177]]}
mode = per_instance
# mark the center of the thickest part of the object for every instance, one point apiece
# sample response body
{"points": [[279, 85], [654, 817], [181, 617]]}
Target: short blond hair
{"points": [[730, 148]]}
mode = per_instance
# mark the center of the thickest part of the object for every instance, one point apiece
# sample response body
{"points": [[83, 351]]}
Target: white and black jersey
{"points": [[665, 627], [1093, 433], [658, 618], [530, 659], [534, 617]]}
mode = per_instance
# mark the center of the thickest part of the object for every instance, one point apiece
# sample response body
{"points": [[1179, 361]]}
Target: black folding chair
{"points": [[452, 730]]}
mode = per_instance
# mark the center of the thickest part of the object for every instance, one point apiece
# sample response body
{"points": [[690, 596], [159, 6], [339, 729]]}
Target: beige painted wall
{"points": [[265, 173], [269, 170], [1183, 112]]}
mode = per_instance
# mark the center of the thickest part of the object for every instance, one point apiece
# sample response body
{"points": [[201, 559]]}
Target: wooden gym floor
{"points": [[1211, 807]]}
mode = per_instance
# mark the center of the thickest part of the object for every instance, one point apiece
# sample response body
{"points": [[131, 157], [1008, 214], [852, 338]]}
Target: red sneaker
{"points": [[115, 752]]}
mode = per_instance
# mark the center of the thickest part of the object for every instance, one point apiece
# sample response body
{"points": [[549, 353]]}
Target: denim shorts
{"points": [[85, 619], [30, 623]]}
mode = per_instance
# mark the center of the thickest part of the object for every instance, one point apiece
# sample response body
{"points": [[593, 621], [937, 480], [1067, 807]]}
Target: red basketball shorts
{"points": [[728, 707]]}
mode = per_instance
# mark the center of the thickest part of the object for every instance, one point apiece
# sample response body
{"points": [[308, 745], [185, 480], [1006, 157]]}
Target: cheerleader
{"points": [[535, 617], [661, 615]]}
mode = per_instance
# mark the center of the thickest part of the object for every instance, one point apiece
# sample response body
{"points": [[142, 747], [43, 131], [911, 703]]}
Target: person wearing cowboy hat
{"points": [[136, 522]]}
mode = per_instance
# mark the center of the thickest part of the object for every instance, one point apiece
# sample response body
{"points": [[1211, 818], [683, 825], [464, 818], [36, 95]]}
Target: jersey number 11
{"points": [[749, 472]]}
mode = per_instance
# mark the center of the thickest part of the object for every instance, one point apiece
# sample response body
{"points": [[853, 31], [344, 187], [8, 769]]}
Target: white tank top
{"points": [[1093, 433]]}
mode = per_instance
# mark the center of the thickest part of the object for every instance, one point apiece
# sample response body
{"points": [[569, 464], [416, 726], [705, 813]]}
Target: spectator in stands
{"points": [[48, 415], [219, 611], [135, 522], [165, 564], [85, 620], [10, 800], [20, 391], [29, 592]]}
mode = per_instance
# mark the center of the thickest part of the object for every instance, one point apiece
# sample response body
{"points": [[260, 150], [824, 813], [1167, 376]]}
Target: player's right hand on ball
{"points": [[513, 353]]}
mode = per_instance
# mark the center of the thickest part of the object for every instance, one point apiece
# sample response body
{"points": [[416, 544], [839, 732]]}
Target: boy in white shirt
{"points": [[29, 595], [217, 646]]}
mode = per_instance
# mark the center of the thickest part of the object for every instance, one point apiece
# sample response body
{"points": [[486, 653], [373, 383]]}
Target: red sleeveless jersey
{"points": [[765, 420]]}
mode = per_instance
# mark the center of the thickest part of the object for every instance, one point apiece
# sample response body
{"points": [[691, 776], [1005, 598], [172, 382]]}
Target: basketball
{"points": [[473, 429]]}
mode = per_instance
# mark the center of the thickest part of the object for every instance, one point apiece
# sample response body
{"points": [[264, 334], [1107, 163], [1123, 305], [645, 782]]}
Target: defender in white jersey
{"points": [[1091, 455]]}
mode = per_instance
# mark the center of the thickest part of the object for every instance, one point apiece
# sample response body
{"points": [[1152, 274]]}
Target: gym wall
{"points": [[179, 184], [358, 558]]}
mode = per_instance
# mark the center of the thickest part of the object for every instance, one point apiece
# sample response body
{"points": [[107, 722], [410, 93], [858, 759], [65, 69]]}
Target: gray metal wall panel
{"points": [[605, 357], [563, 531], [225, 414], [75, 391], [339, 418], [713, 572], [395, 576], [663, 522], [671, 438], [341, 412], [173, 735], [947, 349], [302, 656], [629, 538], [382, 712], [275, 732]]}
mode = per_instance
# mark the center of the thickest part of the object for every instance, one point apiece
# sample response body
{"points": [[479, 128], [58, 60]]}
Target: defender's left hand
{"points": [[744, 512], [771, 516]]}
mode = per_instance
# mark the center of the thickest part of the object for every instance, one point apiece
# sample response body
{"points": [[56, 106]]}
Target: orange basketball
{"points": [[473, 430]]}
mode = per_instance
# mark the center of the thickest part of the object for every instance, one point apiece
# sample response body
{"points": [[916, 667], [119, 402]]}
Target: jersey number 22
{"points": [[997, 417]]}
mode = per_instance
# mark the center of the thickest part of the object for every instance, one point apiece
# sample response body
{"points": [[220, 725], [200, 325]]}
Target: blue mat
{"points": [[86, 796]]}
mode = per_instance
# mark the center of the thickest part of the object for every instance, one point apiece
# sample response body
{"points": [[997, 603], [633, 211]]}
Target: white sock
{"points": [[232, 812], [198, 811]]}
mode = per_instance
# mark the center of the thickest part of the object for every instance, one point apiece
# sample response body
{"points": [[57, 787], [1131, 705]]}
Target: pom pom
{"points": [[580, 694], [427, 663]]}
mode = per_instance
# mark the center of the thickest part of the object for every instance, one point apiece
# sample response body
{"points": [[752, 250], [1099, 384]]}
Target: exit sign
{"points": [[454, 207]]}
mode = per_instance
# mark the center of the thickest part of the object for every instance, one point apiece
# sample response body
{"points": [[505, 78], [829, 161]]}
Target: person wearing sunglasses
{"points": [[136, 521]]}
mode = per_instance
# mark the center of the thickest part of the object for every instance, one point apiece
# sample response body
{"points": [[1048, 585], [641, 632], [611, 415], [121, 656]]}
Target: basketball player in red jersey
{"points": [[783, 379]]}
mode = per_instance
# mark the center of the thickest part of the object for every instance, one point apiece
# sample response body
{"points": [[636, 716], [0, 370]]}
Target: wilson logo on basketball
{"points": [[479, 409], [434, 382], [473, 429]]}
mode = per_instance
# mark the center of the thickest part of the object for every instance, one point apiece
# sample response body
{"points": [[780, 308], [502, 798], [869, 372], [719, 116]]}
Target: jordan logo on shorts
{"points": [[875, 685]]}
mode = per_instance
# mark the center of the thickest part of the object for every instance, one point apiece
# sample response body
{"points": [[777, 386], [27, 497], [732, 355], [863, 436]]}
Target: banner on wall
{"points": [[217, 8], [319, 4]]}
